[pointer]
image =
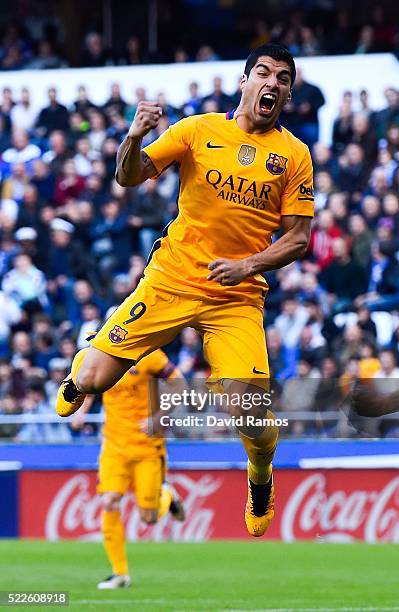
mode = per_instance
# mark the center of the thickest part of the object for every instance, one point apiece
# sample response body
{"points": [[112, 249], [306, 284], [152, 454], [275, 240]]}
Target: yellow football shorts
{"points": [[232, 331], [119, 474]]}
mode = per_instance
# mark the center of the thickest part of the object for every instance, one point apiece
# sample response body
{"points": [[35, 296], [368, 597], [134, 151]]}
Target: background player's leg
{"points": [[148, 476], [114, 535], [114, 479]]}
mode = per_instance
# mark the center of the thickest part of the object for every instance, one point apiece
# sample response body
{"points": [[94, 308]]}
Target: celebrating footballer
{"points": [[243, 178]]}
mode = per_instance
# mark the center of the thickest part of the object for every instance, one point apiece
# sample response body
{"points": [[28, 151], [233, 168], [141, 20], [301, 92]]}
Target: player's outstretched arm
{"points": [[133, 166], [291, 246], [80, 416]]}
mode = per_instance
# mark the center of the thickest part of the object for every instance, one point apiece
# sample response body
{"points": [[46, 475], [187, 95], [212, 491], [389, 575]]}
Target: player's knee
{"points": [[110, 502], [88, 380], [148, 515]]}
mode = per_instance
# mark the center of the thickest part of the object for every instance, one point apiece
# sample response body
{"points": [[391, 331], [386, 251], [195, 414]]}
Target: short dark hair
{"points": [[277, 52]]}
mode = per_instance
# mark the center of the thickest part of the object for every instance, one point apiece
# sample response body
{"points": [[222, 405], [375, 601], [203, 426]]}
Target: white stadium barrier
{"points": [[333, 74]]}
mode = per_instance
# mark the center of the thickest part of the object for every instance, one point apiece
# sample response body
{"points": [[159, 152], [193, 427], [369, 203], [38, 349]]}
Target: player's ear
{"points": [[243, 81], [289, 95]]}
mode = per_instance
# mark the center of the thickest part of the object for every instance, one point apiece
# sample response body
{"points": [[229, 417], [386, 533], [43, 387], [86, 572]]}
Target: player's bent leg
{"points": [[114, 542], [100, 371], [93, 371]]}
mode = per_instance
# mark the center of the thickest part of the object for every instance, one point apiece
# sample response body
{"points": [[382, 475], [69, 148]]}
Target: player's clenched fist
{"points": [[146, 119]]}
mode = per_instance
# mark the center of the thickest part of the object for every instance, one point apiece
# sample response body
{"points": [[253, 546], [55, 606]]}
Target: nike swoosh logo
{"points": [[255, 371], [212, 146]]}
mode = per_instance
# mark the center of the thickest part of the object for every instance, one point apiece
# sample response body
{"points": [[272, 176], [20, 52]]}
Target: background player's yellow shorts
{"points": [[232, 331], [118, 474]]}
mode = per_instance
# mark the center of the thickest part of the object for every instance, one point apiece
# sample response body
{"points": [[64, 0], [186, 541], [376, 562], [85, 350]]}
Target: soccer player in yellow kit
{"points": [[131, 459], [243, 178]]}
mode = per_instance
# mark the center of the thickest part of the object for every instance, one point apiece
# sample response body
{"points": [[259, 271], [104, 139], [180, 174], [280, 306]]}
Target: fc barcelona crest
{"points": [[276, 164], [246, 154], [117, 334]]}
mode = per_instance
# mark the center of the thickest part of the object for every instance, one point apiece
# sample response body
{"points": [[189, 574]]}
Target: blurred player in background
{"points": [[131, 459], [243, 178]]}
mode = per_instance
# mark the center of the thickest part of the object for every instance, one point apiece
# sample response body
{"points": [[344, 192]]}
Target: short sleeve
{"points": [[298, 196], [171, 146]]}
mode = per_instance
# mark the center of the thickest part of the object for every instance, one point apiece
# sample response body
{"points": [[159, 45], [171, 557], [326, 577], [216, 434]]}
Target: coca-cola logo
{"points": [[75, 512], [311, 511]]}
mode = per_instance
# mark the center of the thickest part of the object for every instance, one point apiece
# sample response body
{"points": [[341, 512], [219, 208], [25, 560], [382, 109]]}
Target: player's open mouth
{"points": [[267, 103]]}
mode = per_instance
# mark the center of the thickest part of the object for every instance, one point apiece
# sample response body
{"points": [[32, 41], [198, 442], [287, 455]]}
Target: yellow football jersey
{"points": [[126, 406], [234, 188]]}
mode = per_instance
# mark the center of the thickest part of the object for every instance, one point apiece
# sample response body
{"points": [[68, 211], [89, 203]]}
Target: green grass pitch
{"points": [[210, 576]]}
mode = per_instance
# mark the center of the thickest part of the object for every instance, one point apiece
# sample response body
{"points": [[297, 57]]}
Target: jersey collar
{"points": [[230, 115]]}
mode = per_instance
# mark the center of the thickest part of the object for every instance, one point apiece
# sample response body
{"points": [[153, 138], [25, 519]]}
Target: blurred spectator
{"points": [[310, 45], [10, 314], [97, 133], [206, 54], [365, 43], [282, 360], [192, 106], [352, 174], [52, 117], [389, 115], [342, 127], [189, 352], [343, 278], [321, 240], [91, 322], [115, 102], [389, 366], [95, 54], [23, 115], [133, 54], [69, 184], [65, 259], [364, 137], [361, 240], [13, 187], [300, 114], [140, 95], [22, 151], [291, 321], [299, 393], [222, 100], [112, 239], [312, 345], [383, 288], [26, 284], [82, 104], [46, 58], [147, 216], [57, 153]]}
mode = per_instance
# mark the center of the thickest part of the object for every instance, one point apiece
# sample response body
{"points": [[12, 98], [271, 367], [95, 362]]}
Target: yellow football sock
{"points": [[77, 362], [114, 541], [260, 452], [165, 501]]}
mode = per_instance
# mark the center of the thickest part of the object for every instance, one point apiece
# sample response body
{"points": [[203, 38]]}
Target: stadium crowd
{"points": [[73, 244], [306, 29]]}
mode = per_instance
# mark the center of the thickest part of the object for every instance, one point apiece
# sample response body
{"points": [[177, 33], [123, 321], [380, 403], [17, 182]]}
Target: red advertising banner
{"points": [[331, 505]]}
